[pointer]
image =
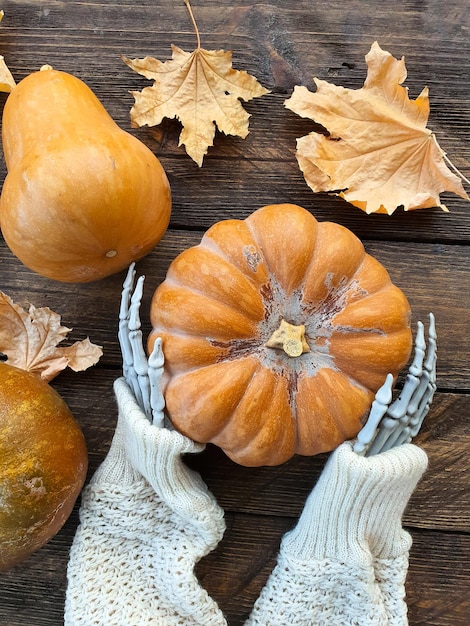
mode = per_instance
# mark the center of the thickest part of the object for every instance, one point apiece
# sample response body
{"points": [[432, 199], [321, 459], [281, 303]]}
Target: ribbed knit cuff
{"points": [[157, 454], [355, 509], [116, 468]]}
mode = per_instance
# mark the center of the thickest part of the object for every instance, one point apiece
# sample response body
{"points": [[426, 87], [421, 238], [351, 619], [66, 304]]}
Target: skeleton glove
{"points": [[346, 560], [145, 520]]}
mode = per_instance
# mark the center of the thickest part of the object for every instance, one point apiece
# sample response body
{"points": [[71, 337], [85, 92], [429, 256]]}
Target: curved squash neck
{"points": [[45, 105]]}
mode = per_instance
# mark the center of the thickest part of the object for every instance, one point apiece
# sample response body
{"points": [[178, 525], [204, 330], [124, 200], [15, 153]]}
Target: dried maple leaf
{"points": [[30, 341], [7, 82], [378, 155], [200, 89]]}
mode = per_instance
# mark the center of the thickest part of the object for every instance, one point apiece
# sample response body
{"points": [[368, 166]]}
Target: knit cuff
{"points": [[157, 454], [132, 437], [116, 468], [355, 509]]}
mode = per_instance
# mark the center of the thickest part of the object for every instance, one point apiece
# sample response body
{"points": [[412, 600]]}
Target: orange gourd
{"points": [[277, 331], [82, 197], [43, 463]]}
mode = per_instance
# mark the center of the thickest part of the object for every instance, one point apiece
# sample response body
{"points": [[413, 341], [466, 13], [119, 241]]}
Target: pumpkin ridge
{"points": [[367, 294], [291, 390], [345, 254], [250, 277], [388, 323], [228, 423], [355, 367], [358, 385], [256, 234], [208, 243], [180, 418], [313, 258], [231, 307], [253, 232], [218, 297], [238, 452], [362, 291], [211, 319]]}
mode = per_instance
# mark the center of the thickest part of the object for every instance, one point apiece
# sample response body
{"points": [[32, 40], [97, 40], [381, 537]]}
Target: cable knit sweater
{"points": [[146, 519]]}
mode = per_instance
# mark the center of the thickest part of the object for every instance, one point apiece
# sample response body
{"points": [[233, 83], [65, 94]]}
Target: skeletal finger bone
{"points": [[142, 375], [123, 333], [382, 400], [391, 424], [155, 373]]}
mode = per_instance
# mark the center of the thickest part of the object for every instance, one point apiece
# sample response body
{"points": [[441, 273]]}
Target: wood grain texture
{"points": [[282, 46], [432, 276], [426, 252]]}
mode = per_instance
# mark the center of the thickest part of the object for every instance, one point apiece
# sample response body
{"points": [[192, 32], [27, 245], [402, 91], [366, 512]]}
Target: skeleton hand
{"points": [[141, 374], [392, 423]]}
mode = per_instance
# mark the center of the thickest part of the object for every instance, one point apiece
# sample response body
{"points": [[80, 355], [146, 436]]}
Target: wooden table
{"points": [[283, 44]]}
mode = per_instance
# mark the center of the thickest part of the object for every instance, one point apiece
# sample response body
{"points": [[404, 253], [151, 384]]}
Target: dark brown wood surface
{"points": [[427, 253]]}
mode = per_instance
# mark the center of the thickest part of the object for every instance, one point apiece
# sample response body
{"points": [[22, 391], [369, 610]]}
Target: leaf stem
{"points": [[449, 162], [191, 15]]}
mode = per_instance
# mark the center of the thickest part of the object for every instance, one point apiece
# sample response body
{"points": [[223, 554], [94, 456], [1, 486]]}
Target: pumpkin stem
{"points": [[289, 338]]}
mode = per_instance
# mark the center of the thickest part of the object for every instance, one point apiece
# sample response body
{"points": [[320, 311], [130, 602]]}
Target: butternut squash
{"points": [[82, 198]]}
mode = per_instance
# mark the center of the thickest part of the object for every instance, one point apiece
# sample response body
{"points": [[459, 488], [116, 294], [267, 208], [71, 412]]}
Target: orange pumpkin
{"points": [[277, 332], [43, 463], [82, 198]]}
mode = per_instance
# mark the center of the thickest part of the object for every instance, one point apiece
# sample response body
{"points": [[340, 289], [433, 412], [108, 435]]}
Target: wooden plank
{"points": [[284, 34], [34, 591], [440, 501], [282, 50], [204, 196], [282, 44], [424, 271]]}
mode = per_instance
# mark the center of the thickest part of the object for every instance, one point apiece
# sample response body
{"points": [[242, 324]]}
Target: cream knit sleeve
{"points": [[145, 520], [345, 562]]}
